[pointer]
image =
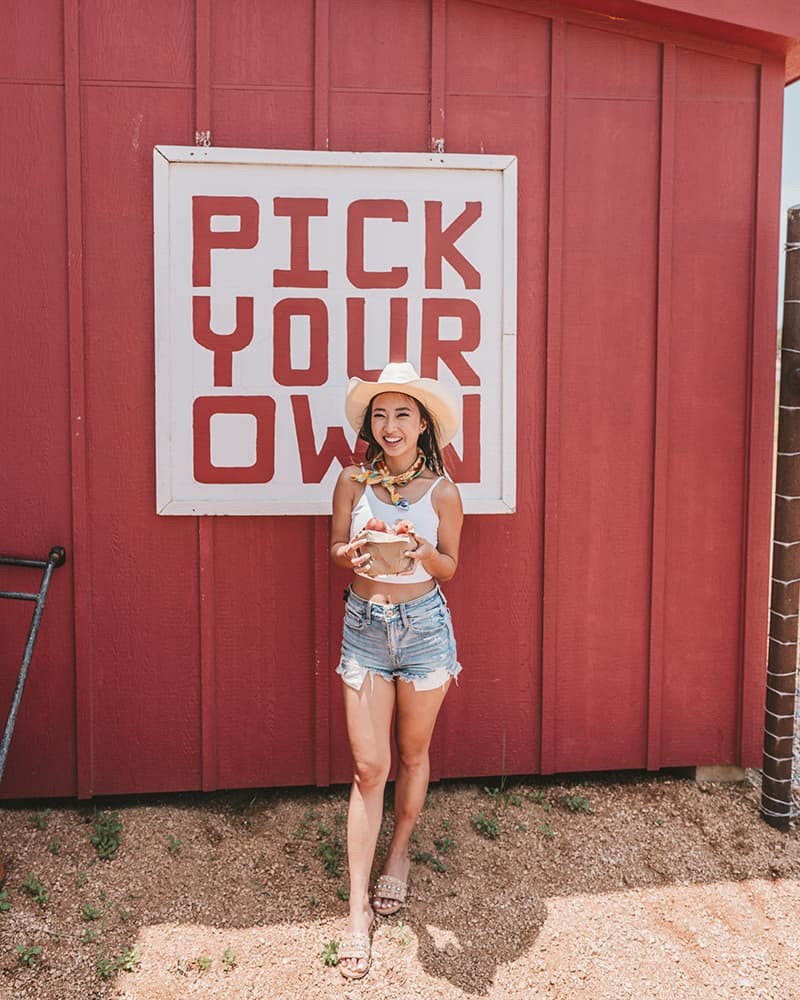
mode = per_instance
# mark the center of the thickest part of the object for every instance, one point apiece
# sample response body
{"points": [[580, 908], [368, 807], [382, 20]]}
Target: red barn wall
{"points": [[618, 619]]}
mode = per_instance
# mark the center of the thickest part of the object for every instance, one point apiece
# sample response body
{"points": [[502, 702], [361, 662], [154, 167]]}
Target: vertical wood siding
{"points": [[615, 620]]}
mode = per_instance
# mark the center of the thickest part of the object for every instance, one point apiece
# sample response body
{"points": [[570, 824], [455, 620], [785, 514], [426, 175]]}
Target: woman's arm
{"points": [[344, 552], [441, 562]]}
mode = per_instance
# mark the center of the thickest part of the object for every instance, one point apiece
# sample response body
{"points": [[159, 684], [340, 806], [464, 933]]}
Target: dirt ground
{"points": [[609, 887]]}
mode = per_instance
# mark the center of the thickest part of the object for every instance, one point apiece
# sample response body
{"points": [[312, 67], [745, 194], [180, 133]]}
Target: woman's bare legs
{"points": [[369, 719], [417, 712]]}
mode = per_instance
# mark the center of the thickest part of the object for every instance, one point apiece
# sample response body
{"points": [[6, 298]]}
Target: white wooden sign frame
{"points": [[184, 175]]}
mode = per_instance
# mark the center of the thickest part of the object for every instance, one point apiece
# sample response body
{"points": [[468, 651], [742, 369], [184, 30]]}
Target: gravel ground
{"points": [[621, 886]]}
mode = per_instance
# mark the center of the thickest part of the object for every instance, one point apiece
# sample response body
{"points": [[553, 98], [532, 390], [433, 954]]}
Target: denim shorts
{"points": [[412, 641]]}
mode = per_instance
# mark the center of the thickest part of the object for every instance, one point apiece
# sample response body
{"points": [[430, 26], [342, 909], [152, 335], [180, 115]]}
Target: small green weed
{"points": [[330, 850], [330, 953], [486, 826], [313, 900], [36, 890], [343, 893], [55, 847], [129, 960], [5, 902], [444, 844], [40, 820], [28, 954], [90, 935], [576, 803], [229, 959], [174, 844], [107, 834], [401, 933], [547, 830], [537, 795], [105, 966], [81, 878], [302, 830], [204, 963], [499, 792], [502, 795], [90, 912], [426, 858]]}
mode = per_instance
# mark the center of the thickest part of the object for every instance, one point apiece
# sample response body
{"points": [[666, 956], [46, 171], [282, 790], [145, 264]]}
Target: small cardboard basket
{"points": [[386, 551]]}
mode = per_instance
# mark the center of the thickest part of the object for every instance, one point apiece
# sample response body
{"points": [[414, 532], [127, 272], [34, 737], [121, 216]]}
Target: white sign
{"points": [[279, 275]]}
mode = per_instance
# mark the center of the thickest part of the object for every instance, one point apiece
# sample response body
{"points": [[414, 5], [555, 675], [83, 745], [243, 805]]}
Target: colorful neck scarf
{"points": [[379, 473]]}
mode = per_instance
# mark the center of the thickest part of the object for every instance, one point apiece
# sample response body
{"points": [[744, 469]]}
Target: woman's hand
{"points": [[358, 560], [423, 551]]}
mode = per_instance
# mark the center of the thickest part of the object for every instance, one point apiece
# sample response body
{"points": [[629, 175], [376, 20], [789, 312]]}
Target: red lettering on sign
{"points": [[260, 407], [451, 352], [282, 369], [356, 337], [299, 211], [441, 244], [223, 345], [357, 212], [314, 464], [467, 469], [204, 240]]}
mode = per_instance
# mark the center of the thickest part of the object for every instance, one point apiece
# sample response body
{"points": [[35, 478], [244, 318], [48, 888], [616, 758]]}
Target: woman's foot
{"points": [[391, 887], [356, 944]]}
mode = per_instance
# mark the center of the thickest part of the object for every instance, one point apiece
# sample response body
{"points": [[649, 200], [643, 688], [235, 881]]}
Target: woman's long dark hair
{"points": [[427, 439]]}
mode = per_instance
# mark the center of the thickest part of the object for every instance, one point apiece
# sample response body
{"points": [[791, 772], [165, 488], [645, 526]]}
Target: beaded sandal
{"points": [[389, 887], [356, 946]]}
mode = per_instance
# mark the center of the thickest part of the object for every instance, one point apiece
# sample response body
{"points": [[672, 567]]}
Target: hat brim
{"points": [[437, 400]]}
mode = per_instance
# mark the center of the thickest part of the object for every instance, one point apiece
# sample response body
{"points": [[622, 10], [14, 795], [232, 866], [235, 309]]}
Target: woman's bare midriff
{"points": [[380, 592]]}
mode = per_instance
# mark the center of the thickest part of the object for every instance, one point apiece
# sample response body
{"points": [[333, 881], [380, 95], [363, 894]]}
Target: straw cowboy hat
{"points": [[401, 377]]}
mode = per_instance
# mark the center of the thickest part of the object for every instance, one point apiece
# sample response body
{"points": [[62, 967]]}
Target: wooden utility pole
{"points": [[779, 719]]}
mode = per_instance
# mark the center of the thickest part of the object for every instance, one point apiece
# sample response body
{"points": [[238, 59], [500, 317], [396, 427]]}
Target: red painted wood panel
{"points": [[606, 399], [379, 93], [202, 660], [491, 723], [34, 444], [266, 119], [144, 569], [477, 35], [714, 170], [264, 651], [263, 44], [381, 47], [147, 41], [31, 45], [758, 543]]}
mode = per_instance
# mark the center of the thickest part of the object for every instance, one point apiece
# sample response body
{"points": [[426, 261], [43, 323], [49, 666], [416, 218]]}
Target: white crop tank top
{"points": [[422, 516]]}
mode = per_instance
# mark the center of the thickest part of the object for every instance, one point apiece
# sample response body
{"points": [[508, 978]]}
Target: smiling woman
{"points": [[398, 650]]}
